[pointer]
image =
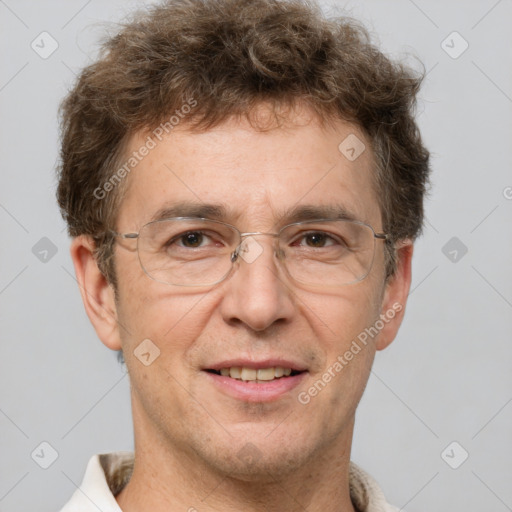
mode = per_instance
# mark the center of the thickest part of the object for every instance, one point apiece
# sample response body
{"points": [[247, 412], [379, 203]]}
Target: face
{"points": [[258, 317]]}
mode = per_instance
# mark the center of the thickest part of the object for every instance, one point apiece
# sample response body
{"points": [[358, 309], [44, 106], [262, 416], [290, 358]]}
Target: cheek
{"points": [[341, 325], [332, 393], [340, 317], [166, 320], [148, 310], [158, 342]]}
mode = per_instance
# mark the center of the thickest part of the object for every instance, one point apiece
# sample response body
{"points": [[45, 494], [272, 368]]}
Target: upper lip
{"points": [[263, 363]]}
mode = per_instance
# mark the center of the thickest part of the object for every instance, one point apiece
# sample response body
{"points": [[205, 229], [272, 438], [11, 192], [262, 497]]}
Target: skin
{"points": [[188, 433]]}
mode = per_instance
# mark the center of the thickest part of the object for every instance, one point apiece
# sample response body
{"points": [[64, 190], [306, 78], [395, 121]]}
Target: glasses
{"points": [[185, 251]]}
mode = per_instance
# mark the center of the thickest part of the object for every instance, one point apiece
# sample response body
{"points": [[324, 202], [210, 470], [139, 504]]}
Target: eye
{"points": [[315, 239], [192, 239]]}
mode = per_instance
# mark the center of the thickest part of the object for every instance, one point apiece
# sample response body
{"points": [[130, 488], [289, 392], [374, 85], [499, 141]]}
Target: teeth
{"points": [[251, 374], [265, 374], [235, 372]]}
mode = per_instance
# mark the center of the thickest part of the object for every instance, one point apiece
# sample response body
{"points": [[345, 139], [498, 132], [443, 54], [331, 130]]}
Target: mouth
{"points": [[248, 374], [248, 381]]}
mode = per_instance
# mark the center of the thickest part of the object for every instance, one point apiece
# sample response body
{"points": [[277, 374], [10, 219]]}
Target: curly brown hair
{"points": [[230, 56]]}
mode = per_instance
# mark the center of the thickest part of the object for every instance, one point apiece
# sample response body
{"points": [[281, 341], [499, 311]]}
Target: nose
{"points": [[257, 293]]}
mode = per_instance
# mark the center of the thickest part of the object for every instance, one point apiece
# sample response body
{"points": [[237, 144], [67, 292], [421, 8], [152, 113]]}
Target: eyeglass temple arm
{"points": [[124, 235]]}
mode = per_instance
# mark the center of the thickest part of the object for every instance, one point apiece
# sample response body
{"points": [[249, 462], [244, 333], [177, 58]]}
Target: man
{"points": [[243, 182]]}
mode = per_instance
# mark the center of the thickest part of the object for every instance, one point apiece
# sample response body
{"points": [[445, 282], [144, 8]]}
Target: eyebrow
{"points": [[191, 209], [219, 212], [314, 212]]}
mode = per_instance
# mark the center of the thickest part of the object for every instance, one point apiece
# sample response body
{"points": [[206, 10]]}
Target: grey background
{"points": [[446, 377]]}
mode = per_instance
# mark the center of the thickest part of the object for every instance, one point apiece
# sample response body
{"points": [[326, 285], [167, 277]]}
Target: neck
{"points": [[165, 475]]}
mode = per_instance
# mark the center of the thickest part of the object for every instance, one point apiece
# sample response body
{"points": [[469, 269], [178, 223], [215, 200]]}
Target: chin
{"points": [[264, 465], [258, 456]]}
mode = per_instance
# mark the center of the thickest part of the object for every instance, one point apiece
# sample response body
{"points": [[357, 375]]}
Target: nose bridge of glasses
{"points": [[249, 249], [255, 233]]}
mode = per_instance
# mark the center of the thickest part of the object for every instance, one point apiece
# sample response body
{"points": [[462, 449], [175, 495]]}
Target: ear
{"points": [[395, 296], [97, 294]]}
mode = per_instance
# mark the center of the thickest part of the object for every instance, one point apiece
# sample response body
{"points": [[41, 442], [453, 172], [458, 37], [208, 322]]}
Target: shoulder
{"points": [[365, 492], [104, 477]]}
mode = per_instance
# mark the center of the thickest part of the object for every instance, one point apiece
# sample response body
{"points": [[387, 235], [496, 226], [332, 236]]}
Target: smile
{"points": [[250, 381], [247, 374]]}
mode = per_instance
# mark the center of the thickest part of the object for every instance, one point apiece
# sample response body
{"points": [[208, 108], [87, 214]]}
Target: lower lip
{"points": [[251, 391]]}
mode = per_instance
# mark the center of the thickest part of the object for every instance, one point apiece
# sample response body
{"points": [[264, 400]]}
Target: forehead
{"points": [[252, 178]]}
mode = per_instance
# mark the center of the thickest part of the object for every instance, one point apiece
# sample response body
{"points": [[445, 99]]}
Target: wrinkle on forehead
{"points": [[256, 177]]}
